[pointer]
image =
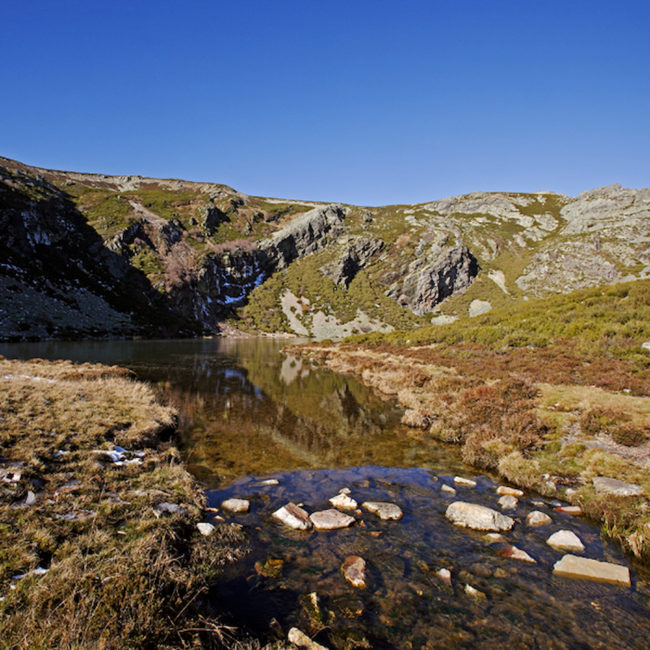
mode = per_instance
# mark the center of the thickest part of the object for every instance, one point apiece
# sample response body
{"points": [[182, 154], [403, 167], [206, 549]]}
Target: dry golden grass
{"points": [[120, 574]]}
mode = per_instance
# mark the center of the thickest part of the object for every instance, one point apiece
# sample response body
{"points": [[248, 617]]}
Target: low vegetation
{"points": [[99, 547], [549, 394]]}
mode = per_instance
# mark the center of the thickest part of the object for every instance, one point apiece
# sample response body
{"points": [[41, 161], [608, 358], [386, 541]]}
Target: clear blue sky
{"points": [[367, 102]]}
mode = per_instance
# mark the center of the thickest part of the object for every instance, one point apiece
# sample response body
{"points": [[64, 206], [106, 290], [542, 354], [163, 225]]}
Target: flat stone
{"points": [[467, 482], [537, 518], [565, 540], [236, 505], [293, 516], [447, 488], [604, 484], [508, 502], [515, 553], [471, 515], [205, 528], [575, 511], [580, 567], [354, 571], [301, 640], [504, 489], [383, 510], [343, 501], [331, 519], [444, 575]]}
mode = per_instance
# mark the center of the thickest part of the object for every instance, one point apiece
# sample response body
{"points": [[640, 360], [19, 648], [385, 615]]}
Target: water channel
{"points": [[248, 412]]}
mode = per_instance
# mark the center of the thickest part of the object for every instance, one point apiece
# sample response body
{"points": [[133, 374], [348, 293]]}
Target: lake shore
{"points": [[99, 544]]}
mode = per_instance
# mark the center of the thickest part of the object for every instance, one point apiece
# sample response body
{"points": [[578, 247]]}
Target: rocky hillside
{"points": [[88, 254]]}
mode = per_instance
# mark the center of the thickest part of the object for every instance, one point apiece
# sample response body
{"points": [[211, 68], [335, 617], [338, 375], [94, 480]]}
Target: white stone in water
{"points": [[301, 640], [293, 516], [504, 489], [471, 515], [474, 593], [354, 571], [565, 540], [570, 510], [447, 488], [343, 501], [466, 482], [444, 575], [491, 538], [268, 481], [330, 519], [345, 490], [537, 518], [604, 484], [205, 528], [508, 502], [515, 553], [580, 567], [236, 505], [383, 510]]}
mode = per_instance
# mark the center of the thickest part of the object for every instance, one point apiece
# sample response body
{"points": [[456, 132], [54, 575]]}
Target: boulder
{"points": [[383, 510], [236, 505], [580, 567], [565, 540], [471, 515], [508, 502], [537, 518], [504, 489], [606, 485], [293, 516], [354, 571], [343, 501], [330, 519]]}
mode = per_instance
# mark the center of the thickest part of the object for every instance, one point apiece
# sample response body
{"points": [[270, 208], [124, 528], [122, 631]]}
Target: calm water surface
{"points": [[249, 411]]}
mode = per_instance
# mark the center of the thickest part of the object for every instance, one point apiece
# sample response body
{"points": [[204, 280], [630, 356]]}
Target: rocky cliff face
{"points": [[100, 255]]}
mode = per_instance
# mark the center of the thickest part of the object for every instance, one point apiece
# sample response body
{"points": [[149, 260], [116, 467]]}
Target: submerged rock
{"points": [[343, 501], [445, 576], [300, 639], [383, 510], [447, 488], [331, 519], [515, 553], [537, 518], [354, 571], [293, 516], [580, 567], [604, 484], [236, 505], [565, 540], [508, 502], [474, 593], [471, 515]]}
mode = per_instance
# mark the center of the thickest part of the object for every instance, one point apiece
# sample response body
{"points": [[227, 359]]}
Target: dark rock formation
{"points": [[357, 253]]}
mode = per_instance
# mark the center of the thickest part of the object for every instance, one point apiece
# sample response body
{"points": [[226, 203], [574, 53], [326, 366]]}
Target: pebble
{"points": [[384, 510], [508, 502], [447, 488], [444, 575], [467, 482], [293, 516], [491, 538], [504, 489], [565, 540], [267, 481], [330, 519], [205, 528], [343, 501], [354, 571], [570, 510], [537, 518], [474, 593], [236, 505], [299, 638], [346, 490], [515, 553]]}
